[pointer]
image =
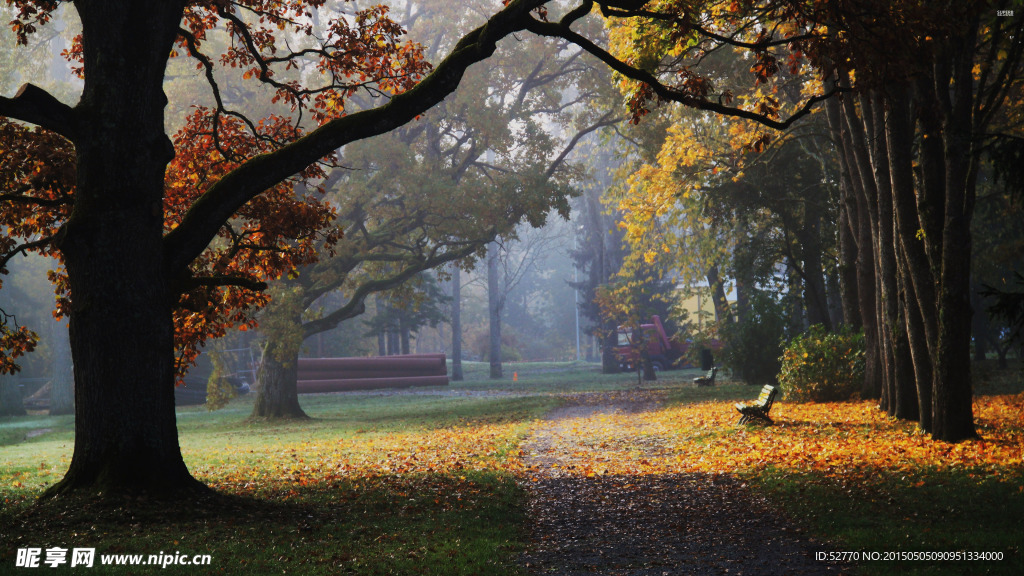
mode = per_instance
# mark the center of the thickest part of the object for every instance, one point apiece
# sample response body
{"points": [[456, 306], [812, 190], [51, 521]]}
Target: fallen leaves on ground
{"points": [[834, 439]]}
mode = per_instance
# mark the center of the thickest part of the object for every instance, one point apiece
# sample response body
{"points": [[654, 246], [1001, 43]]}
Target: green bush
{"points": [[822, 366]]}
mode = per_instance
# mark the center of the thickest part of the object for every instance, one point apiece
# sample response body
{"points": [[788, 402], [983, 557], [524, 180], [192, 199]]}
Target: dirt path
{"points": [[585, 521]]}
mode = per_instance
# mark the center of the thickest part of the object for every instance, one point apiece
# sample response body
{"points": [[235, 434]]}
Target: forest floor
{"points": [[585, 521]]}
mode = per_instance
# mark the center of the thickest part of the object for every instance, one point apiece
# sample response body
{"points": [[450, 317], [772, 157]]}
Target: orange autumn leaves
{"points": [[453, 451], [852, 441]]}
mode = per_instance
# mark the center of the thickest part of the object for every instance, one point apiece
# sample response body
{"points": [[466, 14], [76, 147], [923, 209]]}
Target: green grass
{"points": [[455, 521], [418, 524], [949, 512], [923, 510], [444, 523], [557, 377]]}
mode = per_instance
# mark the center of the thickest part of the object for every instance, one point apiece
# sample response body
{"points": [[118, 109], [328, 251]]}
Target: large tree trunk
{"points": [[457, 324], [847, 270], [916, 280], [953, 418], [494, 306], [609, 359], [404, 333], [854, 154], [900, 393], [122, 336], [276, 383], [277, 393], [718, 298], [815, 298]]}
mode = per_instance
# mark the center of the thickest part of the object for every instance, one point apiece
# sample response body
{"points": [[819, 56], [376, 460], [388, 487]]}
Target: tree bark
{"points": [[980, 326], [718, 298], [403, 331], [901, 395], [494, 306], [122, 337], [866, 268], [382, 330], [815, 299], [277, 383], [953, 418], [917, 284]]}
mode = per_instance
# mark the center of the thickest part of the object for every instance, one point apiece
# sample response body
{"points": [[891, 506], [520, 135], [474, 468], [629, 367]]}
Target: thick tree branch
{"points": [[24, 249], [36, 106], [209, 212], [18, 197], [562, 30], [227, 280]]}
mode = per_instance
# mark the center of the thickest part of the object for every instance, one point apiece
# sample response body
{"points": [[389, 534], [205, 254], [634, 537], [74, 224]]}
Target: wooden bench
{"points": [[761, 407], [707, 379]]}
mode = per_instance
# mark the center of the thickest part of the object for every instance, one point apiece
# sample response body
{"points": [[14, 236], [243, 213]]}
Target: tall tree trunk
{"points": [[953, 418], [277, 382], [901, 394], [494, 306], [382, 330], [852, 150], [980, 326], [798, 314], [834, 296], [122, 335], [62, 384], [609, 359], [404, 332], [815, 298], [847, 271], [849, 228], [457, 324], [917, 284], [277, 378], [718, 298]]}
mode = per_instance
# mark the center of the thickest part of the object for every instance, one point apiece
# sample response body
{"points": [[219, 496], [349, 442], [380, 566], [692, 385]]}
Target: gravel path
{"points": [[655, 524]]}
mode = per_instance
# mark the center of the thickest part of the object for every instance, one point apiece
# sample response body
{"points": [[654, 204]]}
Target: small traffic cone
{"points": [[515, 376]]}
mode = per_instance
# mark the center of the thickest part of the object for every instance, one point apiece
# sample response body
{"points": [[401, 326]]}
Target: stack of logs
{"points": [[317, 375]]}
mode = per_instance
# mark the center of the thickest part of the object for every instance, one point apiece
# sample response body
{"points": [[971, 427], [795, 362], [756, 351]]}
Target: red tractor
{"points": [[665, 354]]}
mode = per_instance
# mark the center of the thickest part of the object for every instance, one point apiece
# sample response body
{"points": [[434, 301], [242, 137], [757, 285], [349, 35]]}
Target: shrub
{"points": [[822, 366]]}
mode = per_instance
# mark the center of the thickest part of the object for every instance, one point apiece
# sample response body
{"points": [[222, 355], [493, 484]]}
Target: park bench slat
{"points": [[760, 408], [707, 379]]}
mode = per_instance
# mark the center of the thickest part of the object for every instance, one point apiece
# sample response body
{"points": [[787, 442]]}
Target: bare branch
{"points": [[24, 249], [562, 30], [36, 106]]}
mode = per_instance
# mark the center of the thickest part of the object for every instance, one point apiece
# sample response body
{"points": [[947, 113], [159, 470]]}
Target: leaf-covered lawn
{"points": [[863, 480], [410, 484]]}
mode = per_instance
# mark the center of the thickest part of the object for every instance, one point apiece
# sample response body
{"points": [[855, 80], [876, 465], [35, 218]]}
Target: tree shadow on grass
{"points": [[429, 523]]}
